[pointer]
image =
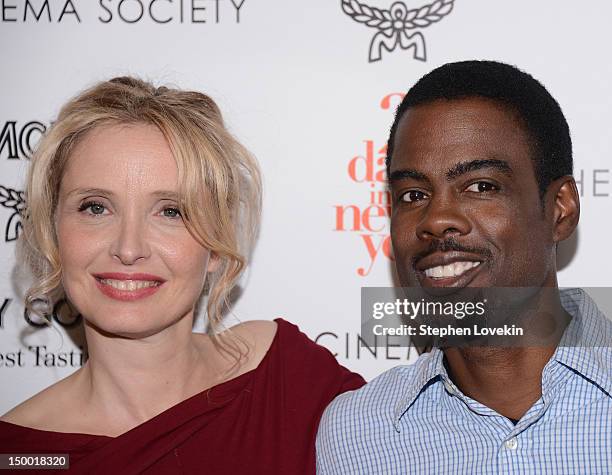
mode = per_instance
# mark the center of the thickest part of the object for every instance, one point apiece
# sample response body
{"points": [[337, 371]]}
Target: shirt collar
{"points": [[586, 345], [429, 367]]}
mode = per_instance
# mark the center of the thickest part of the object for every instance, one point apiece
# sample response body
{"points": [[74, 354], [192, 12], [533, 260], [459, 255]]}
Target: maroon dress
{"points": [[264, 421]]}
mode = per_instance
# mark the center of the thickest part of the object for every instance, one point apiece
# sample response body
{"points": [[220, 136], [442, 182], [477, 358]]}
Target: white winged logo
{"points": [[396, 25]]}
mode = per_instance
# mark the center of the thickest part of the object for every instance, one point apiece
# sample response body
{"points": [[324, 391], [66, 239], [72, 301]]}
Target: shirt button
{"points": [[511, 444]]}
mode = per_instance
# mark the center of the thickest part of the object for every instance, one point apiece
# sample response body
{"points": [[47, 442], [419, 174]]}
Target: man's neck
{"points": [[508, 380]]}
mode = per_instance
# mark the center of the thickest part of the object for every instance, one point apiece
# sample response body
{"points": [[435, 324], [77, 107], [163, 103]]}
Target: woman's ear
{"points": [[214, 261], [566, 207]]}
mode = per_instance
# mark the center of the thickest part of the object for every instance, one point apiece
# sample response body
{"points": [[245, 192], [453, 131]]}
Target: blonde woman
{"points": [[139, 202]]}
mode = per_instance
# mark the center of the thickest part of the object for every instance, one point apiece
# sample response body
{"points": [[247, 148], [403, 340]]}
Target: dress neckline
{"points": [[202, 399]]}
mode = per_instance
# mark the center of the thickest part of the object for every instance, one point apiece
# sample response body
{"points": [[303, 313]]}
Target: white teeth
{"points": [[129, 285], [450, 270]]}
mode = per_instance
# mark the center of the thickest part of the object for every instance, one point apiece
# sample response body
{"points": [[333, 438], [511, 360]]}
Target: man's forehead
{"points": [[452, 131], [475, 108]]}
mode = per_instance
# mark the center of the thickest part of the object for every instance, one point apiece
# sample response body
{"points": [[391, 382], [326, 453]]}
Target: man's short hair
{"points": [[539, 112]]}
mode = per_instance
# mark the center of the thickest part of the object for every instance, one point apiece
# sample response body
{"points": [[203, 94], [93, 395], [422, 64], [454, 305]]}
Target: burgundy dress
{"points": [[263, 421]]}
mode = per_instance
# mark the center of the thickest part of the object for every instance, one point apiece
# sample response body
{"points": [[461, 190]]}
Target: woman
{"points": [[139, 202]]}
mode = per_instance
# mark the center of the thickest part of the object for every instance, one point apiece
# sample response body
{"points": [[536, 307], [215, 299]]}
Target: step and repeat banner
{"points": [[310, 87]]}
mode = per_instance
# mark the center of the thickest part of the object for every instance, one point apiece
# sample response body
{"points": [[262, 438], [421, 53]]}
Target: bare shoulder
{"points": [[45, 409], [257, 336]]}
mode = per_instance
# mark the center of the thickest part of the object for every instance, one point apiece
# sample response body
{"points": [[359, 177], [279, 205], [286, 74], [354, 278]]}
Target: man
{"points": [[480, 173]]}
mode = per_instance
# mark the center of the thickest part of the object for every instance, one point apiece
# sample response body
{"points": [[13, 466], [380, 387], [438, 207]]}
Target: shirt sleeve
{"points": [[330, 459]]}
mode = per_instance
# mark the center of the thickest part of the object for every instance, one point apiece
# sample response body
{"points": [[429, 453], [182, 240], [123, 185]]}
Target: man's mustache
{"points": [[448, 245]]}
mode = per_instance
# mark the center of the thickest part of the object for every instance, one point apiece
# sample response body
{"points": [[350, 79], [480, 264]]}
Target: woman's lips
{"points": [[126, 295]]}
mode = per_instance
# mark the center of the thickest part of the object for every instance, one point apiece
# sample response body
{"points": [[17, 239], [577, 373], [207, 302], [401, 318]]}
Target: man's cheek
{"points": [[402, 251]]}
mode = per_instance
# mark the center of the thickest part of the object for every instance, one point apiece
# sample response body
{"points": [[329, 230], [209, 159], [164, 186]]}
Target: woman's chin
{"points": [[131, 327]]}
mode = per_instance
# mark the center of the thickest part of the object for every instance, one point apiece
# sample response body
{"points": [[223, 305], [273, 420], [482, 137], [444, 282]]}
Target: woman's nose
{"points": [[130, 241]]}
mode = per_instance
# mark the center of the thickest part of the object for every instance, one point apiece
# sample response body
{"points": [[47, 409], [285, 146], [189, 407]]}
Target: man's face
{"points": [[466, 207]]}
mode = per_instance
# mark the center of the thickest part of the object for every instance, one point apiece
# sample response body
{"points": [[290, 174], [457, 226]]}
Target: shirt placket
{"points": [[515, 448]]}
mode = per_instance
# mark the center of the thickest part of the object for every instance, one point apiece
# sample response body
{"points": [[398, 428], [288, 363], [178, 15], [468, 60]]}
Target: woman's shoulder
{"points": [[268, 340], [43, 411], [295, 341], [263, 335], [258, 332], [295, 357], [256, 336]]}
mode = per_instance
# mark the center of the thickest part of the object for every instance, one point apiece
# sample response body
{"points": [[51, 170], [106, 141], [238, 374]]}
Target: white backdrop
{"points": [[296, 86]]}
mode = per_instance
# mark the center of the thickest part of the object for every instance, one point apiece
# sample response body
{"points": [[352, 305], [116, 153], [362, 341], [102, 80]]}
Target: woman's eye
{"points": [[97, 209], [412, 196], [172, 213], [481, 187], [94, 207]]}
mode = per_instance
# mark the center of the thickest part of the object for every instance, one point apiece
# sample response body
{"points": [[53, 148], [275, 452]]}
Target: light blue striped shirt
{"points": [[414, 420]]}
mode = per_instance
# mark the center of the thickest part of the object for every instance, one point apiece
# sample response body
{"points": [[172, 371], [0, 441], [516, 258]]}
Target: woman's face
{"points": [[130, 266]]}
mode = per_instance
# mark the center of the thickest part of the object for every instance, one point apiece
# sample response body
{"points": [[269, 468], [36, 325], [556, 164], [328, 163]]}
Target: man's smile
{"points": [[448, 269]]}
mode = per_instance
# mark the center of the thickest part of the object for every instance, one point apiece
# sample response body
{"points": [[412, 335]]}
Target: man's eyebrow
{"points": [[407, 173], [466, 167], [101, 191]]}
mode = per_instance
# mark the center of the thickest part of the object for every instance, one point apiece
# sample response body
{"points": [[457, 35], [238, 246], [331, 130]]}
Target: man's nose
{"points": [[130, 242], [443, 217]]}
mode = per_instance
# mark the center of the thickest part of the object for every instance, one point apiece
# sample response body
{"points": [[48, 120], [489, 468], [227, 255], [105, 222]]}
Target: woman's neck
{"points": [[129, 381]]}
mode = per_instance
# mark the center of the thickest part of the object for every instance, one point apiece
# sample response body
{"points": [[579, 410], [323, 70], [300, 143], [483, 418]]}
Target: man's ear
{"points": [[563, 196]]}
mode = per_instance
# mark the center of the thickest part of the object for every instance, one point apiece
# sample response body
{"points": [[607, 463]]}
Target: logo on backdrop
{"points": [[352, 346], [396, 26], [63, 312], [14, 200], [370, 220], [122, 11], [3, 309], [18, 141]]}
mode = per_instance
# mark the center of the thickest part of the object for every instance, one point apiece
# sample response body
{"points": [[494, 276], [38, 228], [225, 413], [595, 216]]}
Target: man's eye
{"points": [[481, 187], [412, 196]]}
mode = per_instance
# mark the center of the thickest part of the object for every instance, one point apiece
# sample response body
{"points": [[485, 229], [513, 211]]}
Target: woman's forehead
{"points": [[122, 157]]}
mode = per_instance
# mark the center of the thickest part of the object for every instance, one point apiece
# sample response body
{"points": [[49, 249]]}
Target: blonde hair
{"points": [[219, 183]]}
